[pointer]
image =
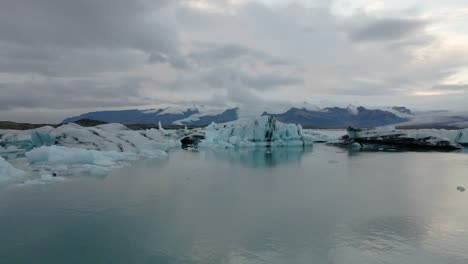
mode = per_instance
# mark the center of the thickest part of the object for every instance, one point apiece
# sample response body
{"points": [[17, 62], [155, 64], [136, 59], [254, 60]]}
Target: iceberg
{"points": [[262, 131], [65, 161], [41, 137], [108, 137], [462, 137], [8, 172], [74, 150], [389, 137], [67, 156]]}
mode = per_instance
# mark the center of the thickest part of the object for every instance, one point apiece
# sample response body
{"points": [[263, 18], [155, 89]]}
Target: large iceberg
{"points": [[262, 131], [400, 139], [74, 150], [109, 137]]}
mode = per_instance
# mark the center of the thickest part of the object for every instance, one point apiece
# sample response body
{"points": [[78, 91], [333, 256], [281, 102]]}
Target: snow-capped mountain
{"points": [[203, 115], [193, 115], [340, 117]]}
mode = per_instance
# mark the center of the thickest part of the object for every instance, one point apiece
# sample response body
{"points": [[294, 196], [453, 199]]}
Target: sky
{"points": [[61, 58]]}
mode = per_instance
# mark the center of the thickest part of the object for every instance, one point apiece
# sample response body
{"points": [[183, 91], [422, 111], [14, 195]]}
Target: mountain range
{"points": [[339, 117], [200, 116]]}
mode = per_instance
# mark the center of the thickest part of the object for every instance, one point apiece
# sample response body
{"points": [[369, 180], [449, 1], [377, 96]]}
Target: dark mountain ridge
{"points": [[330, 117]]}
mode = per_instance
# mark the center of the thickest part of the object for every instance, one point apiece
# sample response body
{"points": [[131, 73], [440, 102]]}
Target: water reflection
{"points": [[259, 157], [275, 206], [357, 151]]}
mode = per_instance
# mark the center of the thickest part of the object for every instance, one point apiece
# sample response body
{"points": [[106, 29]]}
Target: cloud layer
{"points": [[74, 56]]}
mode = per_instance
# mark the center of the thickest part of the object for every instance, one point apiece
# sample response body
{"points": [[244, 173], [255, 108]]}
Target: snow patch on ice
{"points": [[8, 172]]}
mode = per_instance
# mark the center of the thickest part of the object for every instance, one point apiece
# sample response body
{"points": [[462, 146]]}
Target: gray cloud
{"points": [[119, 53], [87, 23], [384, 29], [59, 61], [451, 87], [48, 36], [232, 79], [209, 54], [213, 54], [60, 94]]}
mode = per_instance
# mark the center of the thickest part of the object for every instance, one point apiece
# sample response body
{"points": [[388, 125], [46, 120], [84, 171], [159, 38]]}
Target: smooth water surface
{"points": [[318, 205]]}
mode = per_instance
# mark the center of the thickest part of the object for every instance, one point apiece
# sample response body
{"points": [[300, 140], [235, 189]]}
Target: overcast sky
{"points": [[63, 57]]}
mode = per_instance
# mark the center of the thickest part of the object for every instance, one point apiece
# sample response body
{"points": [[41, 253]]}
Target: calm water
{"points": [[319, 205]]}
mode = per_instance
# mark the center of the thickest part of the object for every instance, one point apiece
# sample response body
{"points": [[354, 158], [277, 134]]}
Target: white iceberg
{"points": [[324, 135], [262, 131], [74, 150], [67, 156], [109, 137]]}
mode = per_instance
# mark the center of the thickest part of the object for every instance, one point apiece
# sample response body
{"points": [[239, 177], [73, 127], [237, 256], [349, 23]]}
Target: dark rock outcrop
{"points": [[191, 141], [395, 139]]}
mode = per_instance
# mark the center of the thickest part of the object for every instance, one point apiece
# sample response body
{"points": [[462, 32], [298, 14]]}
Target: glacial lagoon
{"points": [[319, 204]]}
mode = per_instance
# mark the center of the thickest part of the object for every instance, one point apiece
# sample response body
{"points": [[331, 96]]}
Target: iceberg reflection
{"points": [[259, 157]]}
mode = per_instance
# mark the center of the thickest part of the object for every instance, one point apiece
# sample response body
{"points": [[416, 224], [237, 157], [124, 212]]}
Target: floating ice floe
{"points": [[65, 161], [400, 139]]}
